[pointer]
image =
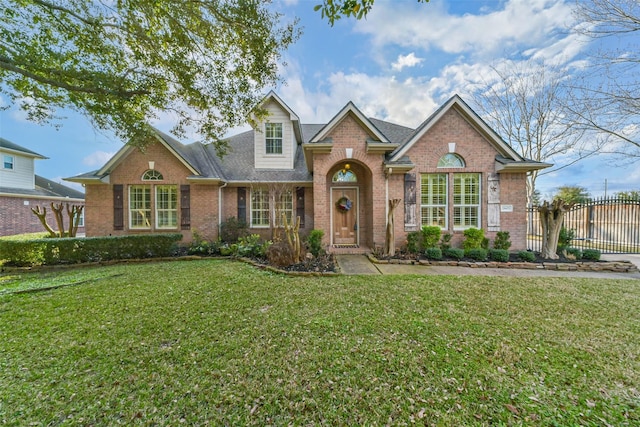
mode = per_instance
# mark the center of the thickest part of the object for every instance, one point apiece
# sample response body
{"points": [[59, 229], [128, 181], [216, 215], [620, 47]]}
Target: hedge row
{"points": [[52, 251]]}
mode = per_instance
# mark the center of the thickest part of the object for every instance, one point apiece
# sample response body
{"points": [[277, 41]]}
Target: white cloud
{"points": [[403, 61], [519, 22], [97, 158]]}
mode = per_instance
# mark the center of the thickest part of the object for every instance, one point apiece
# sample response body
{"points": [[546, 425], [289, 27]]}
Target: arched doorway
{"points": [[349, 184]]}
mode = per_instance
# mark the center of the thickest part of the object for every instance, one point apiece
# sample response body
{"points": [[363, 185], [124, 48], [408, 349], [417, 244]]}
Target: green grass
{"points": [[214, 342]]}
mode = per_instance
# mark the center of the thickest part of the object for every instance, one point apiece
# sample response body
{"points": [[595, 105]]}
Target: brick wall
{"points": [[479, 156], [16, 216], [203, 197], [349, 133]]}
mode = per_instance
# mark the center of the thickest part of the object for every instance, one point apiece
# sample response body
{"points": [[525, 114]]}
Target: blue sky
{"points": [[399, 65]]}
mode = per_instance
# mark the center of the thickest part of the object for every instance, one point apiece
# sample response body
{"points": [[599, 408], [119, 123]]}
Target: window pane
{"points": [[259, 208], [466, 200], [450, 160], [433, 200], [7, 162], [284, 205], [140, 206], [273, 138], [166, 206]]}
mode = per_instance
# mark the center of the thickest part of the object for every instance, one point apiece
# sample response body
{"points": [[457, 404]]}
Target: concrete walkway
{"points": [[360, 264]]}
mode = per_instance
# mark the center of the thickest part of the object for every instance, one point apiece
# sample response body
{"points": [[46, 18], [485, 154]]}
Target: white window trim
{"points": [[174, 188], [137, 227], [479, 205], [267, 138], [265, 193], [12, 161], [446, 205]]}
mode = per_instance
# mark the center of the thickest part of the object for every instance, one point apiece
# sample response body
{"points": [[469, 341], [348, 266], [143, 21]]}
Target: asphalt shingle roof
{"points": [[15, 147]]}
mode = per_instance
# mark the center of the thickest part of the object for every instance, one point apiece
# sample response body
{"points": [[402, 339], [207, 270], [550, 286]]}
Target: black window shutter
{"points": [[300, 205], [242, 204], [118, 207], [185, 207]]}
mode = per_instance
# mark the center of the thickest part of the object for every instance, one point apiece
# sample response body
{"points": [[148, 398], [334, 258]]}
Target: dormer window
{"points": [[273, 138], [7, 162], [152, 175], [451, 160]]}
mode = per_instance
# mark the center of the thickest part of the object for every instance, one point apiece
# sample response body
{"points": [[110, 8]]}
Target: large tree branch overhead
{"points": [[120, 63]]}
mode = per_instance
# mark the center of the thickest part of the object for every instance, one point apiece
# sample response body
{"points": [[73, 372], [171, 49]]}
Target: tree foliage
{"points": [[334, 10], [574, 194], [610, 103], [122, 63]]}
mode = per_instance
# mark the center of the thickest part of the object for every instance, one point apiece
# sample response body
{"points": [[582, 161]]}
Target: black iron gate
{"points": [[611, 225]]}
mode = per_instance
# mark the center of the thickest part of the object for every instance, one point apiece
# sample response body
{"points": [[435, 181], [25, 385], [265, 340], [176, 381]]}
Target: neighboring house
{"points": [[21, 189], [452, 171]]}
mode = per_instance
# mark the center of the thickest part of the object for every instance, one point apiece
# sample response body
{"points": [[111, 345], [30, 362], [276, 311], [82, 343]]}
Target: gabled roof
{"points": [[349, 109], [9, 146], [172, 144], [295, 120], [456, 103]]}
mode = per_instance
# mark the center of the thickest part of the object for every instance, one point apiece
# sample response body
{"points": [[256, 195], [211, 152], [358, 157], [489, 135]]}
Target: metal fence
{"points": [[610, 225]]}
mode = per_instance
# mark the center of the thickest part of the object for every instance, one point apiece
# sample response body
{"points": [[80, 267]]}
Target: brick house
{"points": [[21, 189], [452, 171]]}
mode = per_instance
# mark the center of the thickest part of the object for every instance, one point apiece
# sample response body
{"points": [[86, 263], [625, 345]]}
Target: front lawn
{"points": [[216, 342]]}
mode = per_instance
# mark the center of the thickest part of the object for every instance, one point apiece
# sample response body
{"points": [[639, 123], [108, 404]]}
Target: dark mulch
{"points": [[320, 264]]}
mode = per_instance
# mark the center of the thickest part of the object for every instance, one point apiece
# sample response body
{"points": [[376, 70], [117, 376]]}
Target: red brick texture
{"points": [[16, 216], [374, 188]]}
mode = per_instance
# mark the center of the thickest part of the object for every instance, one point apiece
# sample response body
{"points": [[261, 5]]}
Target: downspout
{"points": [[220, 205]]}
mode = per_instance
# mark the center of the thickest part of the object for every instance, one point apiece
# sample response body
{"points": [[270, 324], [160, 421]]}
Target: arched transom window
{"points": [[451, 160], [152, 175], [344, 175]]}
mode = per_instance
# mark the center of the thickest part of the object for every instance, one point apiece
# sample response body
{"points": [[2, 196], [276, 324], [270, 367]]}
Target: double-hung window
{"points": [[433, 200], [140, 206], [262, 207], [8, 162], [466, 200], [273, 138], [259, 207], [435, 208], [166, 206]]}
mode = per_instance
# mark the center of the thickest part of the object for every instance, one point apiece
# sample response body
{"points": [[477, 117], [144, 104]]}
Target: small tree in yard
{"points": [[73, 212], [390, 242], [551, 218]]}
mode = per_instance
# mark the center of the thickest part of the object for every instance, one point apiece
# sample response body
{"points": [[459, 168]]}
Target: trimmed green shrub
{"points": [[51, 251], [433, 253], [413, 242], [200, 246], [526, 256], [591, 254], [430, 236], [573, 253], [502, 240], [477, 254], [445, 241], [565, 238], [314, 240], [455, 253], [499, 255], [232, 230], [473, 238], [250, 246]]}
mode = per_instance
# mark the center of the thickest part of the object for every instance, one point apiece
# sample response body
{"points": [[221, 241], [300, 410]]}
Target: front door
{"points": [[345, 216]]}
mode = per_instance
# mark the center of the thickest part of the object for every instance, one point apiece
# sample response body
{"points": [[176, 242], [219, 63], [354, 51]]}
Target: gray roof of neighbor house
{"points": [[45, 188], [10, 146]]}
